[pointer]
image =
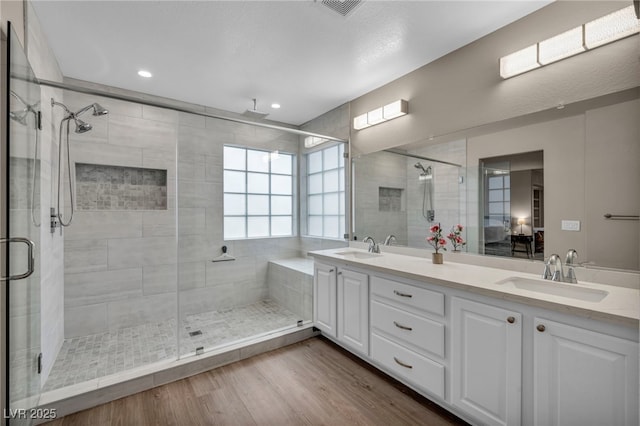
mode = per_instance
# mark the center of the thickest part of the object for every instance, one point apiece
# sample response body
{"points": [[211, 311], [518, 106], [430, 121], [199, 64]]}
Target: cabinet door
{"points": [[582, 377], [353, 310], [324, 298], [486, 362]]}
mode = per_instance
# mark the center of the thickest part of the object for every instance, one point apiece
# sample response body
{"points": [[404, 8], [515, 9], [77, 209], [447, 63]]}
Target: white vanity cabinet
{"points": [[583, 377], [325, 298], [353, 310], [408, 333], [486, 362], [491, 358], [341, 305]]}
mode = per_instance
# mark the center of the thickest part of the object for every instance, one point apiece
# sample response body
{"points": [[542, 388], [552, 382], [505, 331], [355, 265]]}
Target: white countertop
{"points": [[621, 304]]}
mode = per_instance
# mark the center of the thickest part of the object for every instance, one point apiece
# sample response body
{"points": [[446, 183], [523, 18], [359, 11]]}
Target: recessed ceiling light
{"points": [[275, 106], [145, 74]]}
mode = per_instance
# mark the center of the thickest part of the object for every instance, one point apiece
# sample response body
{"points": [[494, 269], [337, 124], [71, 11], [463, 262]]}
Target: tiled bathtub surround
{"points": [[98, 355], [100, 187]]}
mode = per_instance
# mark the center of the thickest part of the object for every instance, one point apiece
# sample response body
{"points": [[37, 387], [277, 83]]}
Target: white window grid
{"points": [[269, 194], [340, 168]]}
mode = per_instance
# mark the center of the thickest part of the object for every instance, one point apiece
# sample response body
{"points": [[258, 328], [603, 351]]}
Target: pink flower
{"points": [[434, 228], [460, 227], [442, 241], [459, 240]]}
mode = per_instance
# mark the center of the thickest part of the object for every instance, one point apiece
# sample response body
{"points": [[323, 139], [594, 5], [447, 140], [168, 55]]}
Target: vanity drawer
{"points": [[416, 298], [421, 371], [420, 334]]}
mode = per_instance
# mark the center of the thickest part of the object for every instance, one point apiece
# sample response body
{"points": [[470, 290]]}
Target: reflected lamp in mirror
{"points": [[380, 115], [521, 221]]}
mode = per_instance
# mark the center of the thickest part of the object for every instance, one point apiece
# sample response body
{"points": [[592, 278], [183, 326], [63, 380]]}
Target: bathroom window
{"points": [[258, 193], [326, 194]]}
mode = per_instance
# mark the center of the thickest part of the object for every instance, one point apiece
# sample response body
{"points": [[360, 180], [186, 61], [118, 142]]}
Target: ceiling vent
{"points": [[343, 7]]}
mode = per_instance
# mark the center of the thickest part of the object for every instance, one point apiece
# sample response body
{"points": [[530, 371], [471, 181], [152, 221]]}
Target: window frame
{"points": [[341, 192], [269, 194]]}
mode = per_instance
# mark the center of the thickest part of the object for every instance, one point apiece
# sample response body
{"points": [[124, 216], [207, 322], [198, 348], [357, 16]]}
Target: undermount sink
{"points": [[358, 254], [555, 288]]}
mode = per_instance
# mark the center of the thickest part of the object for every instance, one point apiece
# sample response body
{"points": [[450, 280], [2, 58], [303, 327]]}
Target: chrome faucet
{"points": [[373, 247], [570, 261], [390, 239], [558, 274]]}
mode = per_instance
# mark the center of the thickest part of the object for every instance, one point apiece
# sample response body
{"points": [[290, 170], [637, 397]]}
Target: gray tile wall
{"points": [[120, 250], [205, 285]]}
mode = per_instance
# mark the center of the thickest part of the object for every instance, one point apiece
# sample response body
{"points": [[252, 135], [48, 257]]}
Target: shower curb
{"points": [[108, 390]]}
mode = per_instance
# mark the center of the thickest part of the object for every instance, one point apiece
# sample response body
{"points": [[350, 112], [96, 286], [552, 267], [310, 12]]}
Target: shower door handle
{"points": [[30, 261]]}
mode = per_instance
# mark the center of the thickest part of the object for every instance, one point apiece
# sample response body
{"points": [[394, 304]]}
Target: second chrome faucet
{"points": [[558, 273]]}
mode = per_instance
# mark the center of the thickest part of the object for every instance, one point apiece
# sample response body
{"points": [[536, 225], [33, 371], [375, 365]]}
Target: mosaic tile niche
{"points": [[389, 199], [100, 187]]}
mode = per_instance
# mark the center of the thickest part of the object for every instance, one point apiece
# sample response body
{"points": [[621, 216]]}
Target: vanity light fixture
{"points": [[275, 106], [145, 74], [380, 115], [614, 26]]}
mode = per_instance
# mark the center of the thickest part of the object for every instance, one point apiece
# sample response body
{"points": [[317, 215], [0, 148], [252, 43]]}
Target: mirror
{"points": [[403, 192], [571, 199]]}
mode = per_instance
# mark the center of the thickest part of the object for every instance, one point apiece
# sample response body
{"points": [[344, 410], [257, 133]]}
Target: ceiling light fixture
{"points": [[380, 115], [275, 106], [614, 26], [145, 74]]}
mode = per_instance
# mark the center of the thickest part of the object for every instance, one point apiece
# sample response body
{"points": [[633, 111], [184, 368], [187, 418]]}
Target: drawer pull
{"points": [[402, 363], [402, 294], [404, 327], [541, 328], [511, 320]]}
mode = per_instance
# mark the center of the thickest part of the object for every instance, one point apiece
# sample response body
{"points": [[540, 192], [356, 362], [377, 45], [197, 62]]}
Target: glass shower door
{"points": [[21, 277]]}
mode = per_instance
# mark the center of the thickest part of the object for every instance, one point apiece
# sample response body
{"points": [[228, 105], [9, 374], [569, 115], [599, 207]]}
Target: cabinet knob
{"points": [[340, 273], [331, 270], [540, 328], [511, 320]]}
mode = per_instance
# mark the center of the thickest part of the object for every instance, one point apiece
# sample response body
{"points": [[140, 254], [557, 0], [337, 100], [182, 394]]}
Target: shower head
{"points": [[254, 113], [97, 110], [19, 116], [426, 173], [81, 126]]}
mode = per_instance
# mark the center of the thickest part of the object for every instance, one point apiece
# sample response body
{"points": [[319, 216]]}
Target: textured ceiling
{"points": [[299, 53]]}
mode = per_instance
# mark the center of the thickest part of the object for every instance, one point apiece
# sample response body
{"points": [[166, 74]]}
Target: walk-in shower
{"points": [[81, 127], [426, 177]]}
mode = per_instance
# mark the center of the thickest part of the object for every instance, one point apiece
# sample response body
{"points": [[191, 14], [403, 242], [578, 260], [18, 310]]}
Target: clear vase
{"points": [[437, 258]]}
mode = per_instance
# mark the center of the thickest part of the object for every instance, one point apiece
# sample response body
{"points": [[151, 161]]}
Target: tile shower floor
{"points": [[97, 355]]}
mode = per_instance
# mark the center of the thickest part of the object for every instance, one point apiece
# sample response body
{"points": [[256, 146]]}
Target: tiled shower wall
{"points": [[205, 285], [120, 265]]}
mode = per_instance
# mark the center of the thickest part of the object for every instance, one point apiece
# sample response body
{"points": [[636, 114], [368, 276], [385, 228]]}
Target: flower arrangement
{"points": [[435, 239], [455, 236]]}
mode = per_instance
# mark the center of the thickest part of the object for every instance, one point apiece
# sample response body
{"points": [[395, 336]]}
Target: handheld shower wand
{"points": [[81, 127]]}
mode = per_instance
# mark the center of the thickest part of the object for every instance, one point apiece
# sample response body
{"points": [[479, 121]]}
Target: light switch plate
{"points": [[570, 225]]}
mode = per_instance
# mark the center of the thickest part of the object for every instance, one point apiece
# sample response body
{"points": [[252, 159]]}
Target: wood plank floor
{"points": [[313, 382]]}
